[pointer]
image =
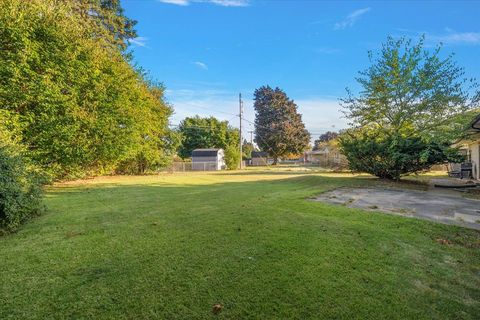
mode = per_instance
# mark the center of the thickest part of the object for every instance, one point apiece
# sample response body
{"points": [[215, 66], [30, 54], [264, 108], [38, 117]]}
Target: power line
{"points": [[207, 127], [247, 120], [312, 133]]}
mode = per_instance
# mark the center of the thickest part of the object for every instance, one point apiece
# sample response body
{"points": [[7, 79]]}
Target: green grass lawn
{"points": [[172, 246]]}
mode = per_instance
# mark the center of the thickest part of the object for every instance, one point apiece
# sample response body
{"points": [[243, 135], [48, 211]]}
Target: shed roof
{"points": [[205, 152]]}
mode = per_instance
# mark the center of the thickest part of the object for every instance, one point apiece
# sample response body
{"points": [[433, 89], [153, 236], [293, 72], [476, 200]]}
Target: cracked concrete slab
{"points": [[440, 206]]}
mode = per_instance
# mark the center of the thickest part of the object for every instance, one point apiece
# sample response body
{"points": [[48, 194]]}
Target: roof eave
{"points": [[476, 123]]}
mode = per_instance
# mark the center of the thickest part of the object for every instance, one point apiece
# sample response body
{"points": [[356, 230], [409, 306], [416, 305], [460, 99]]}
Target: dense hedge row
{"points": [[82, 108], [76, 104]]}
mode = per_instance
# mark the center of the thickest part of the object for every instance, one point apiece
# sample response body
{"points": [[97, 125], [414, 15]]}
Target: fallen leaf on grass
{"points": [[443, 241], [217, 308]]}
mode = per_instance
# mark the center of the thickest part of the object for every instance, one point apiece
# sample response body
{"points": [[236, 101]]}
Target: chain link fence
{"points": [[193, 166], [335, 161]]}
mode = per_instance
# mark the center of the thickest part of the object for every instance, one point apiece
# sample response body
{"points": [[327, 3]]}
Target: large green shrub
{"points": [[151, 155], [20, 186], [392, 156], [232, 157]]}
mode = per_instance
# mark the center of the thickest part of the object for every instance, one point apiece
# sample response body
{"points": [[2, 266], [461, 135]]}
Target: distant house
{"points": [[316, 155], [259, 158], [208, 159]]}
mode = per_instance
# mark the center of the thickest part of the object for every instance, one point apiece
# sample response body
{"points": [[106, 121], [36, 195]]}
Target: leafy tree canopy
{"points": [[108, 18], [247, 149], [412, 91], [279, 129], [412, 102]]}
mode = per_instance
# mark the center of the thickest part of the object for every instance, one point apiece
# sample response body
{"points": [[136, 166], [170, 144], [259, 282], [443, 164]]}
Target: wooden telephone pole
{"points": [[240, 115]]}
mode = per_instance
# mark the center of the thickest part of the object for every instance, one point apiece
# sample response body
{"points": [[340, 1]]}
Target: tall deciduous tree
{"points": [[411, 97], [412, 91], [279, 128]]}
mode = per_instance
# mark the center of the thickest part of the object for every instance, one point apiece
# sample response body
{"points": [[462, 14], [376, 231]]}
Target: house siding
{"points": [[475, 156], [204, 159]]}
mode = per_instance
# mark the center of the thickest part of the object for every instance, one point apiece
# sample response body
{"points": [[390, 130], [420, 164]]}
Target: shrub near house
{"points": [[20, 185], [393, 156]]}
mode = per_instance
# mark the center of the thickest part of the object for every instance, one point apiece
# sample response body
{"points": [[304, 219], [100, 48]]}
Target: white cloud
{"points": [[449, 37], [139, 41], [458, 37], [223, 3], [350, 20], [230, 3], [176, 2], [201, 65]]}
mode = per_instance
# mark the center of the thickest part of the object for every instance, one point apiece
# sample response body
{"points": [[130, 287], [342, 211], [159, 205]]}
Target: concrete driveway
{"points": [[447, 207]]}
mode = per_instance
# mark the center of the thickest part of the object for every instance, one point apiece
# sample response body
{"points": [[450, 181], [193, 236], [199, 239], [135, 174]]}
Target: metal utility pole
{"points": [[240, 115], [251, 137]]}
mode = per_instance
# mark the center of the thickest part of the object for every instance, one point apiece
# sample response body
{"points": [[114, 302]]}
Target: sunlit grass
{"points": [[173, 245]]}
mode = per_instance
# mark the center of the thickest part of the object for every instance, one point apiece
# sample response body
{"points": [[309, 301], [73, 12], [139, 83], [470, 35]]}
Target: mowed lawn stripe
{"points": [[171, 246]]}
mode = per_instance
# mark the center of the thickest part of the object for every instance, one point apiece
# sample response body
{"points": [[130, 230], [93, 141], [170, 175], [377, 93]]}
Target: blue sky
{"points": [[207, 51]]}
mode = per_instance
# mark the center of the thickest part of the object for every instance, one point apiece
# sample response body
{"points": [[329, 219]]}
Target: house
{"points": [[259, 158], [473, 147], [208, 159], [470, 147]]}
